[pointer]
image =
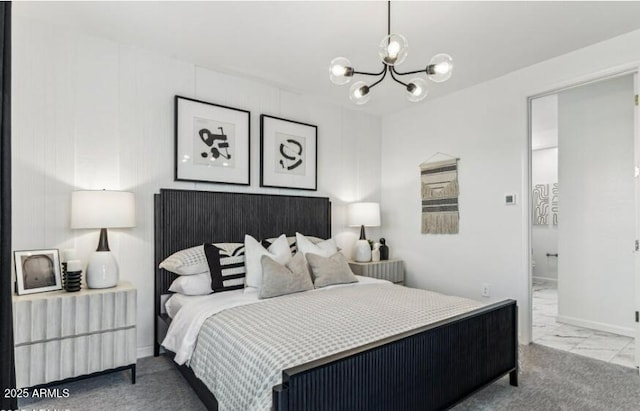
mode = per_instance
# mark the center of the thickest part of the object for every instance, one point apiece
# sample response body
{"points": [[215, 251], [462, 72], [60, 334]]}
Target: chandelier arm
{"points": [[396, 80], [384, 74], [384, 68], [408, 72]]}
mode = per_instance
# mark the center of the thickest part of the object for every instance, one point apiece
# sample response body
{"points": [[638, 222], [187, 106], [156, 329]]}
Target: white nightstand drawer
{"points": [[390, 270], [61, 334]]}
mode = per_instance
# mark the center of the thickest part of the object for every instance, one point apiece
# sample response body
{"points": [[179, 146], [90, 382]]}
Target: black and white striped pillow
{"points": [[226, 266]]}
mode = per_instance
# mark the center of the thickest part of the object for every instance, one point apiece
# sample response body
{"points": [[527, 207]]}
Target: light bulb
{"points": [[443, 68], [440, 68], [393, 49], [417, 90], [359, 92], [340, 71]]}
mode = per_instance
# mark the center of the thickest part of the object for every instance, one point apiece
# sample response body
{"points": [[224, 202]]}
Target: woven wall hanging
{"points": [[439, 184]]}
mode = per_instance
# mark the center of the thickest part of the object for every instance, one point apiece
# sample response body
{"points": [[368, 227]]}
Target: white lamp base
{"points": [[102, 271], [362, 251]]}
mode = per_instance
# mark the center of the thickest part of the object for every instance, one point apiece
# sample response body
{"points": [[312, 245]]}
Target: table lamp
{"points": [[102, 209], [363, 215]]}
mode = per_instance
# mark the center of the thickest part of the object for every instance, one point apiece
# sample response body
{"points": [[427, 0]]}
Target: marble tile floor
{"points": [[600, 345]]}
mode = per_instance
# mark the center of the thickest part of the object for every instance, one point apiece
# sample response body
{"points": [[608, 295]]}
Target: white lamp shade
{"points": [[102, 209], [366, 214]]}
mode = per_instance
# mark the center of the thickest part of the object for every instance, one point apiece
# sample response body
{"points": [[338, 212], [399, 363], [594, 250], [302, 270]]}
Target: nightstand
{"points": [[390, 270], [61, 335]]}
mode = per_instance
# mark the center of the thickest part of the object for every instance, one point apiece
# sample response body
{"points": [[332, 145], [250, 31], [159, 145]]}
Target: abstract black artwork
{"points": [[288, 153], [291, 152], [212, 142], [217, 150]]}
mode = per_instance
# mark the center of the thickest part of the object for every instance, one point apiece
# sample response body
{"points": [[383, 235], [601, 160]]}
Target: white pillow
{"points": [[279, 251], [197, 284], [177, 301], [325, 248], [189, 261]]}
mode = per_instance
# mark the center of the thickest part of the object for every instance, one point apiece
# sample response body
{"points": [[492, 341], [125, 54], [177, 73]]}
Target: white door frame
{"points": [[636, 151], [633, 68]]}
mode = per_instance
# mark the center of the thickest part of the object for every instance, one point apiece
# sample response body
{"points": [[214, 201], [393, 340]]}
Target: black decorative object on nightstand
{"points": [[71, 275], [71, 280], [384, 250]]}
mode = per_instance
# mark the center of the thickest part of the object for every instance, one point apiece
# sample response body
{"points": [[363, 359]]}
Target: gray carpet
{"points": [[549, 380], [557, 380], [159, 386]]}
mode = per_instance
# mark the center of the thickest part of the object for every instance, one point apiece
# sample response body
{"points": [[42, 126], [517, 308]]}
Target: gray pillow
{"points": [[278, 279], [330, 270]]}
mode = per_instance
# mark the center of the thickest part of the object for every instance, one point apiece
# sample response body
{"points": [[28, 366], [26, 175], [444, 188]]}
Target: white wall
{"points": [[596, 234], [544, 238], [486, 126], [90, 114], [544, 166]]}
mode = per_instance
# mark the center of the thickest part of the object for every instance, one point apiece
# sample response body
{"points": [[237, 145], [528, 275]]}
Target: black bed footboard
{"points": [[430, 368]]}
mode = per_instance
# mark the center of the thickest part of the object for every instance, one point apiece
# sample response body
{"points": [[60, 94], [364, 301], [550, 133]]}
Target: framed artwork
{"points": [[37, 271], [288, 154], [212, 142], [540, 198]]}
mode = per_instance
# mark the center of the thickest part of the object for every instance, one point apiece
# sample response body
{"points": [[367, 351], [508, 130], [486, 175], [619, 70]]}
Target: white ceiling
{"points": [[290, 44]]}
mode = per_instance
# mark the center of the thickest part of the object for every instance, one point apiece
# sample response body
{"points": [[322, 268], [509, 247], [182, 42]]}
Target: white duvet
{"points": [[183, 332]]}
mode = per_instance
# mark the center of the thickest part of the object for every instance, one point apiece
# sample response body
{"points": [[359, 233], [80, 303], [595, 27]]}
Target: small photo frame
{"points": [[37, 271], [288, 154], [212, 142]]}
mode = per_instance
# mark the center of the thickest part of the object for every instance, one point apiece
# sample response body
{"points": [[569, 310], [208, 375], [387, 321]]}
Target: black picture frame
{"points": [[288, 154], [37, 271], [228, 153]]}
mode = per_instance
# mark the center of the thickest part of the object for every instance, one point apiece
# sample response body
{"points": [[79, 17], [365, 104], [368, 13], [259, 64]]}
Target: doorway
{"points": [[583, 219]]}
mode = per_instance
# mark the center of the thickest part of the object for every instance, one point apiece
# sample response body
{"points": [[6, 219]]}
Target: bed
{"points": [[434, 366]]}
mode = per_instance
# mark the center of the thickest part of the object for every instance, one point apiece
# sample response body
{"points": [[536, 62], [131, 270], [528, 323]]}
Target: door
{"points": [[597, 207]]}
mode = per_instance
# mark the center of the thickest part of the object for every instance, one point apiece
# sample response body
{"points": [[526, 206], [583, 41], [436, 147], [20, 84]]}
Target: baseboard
{"points": [[553, 280], [594, 325], [143, 352]]}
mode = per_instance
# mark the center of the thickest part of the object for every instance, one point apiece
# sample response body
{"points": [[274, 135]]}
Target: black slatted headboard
{"points": [[186, 218]]}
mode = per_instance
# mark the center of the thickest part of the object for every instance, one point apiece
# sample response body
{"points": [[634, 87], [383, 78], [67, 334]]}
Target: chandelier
{"points": [[393, 51]]}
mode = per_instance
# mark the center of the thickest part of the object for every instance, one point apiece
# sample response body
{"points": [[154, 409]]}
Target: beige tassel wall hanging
{"points": [[439, 184]]}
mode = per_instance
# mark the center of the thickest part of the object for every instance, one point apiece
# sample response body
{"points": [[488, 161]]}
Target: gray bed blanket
{"points": [[241, 352]]}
